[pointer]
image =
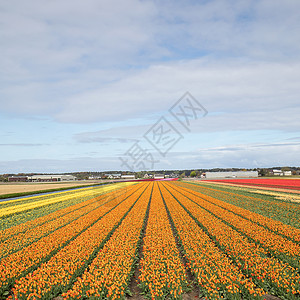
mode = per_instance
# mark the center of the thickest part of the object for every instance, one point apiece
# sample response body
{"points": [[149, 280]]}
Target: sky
{"points": [[128, 85]]}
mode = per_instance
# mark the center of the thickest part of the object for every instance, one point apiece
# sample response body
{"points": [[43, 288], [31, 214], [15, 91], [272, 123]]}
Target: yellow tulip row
{"points": [[67, 263], [18, 240], [29, 225], [110, 272], [18, 263], [25, 217], [5, 211], [60, 193]]}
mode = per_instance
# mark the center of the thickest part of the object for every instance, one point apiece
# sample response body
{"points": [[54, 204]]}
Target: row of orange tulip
{"points": [[18, 263], [284, 212], [75, 202], [29, 225], [22, 239], [274, 225], [276, 243], [20, 219], [38, 199], [8, 209], [65, 265], [34, 198], [110, 272], [250, 257], [161, 270], [215, 273]]}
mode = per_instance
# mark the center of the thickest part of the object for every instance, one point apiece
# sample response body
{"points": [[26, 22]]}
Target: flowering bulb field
{"points": [[293, 184], [149, 240]]}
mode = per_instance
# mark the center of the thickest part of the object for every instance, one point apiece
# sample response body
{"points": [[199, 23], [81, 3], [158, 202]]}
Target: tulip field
{"points": [[293, 184], [149, 240]]}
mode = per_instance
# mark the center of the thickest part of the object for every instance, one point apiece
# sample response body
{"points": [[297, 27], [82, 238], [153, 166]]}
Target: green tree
{"points": [[193, 174], [262, 172]]}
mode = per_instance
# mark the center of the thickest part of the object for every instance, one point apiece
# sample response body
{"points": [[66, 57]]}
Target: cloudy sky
{"points": [[85, 83]]}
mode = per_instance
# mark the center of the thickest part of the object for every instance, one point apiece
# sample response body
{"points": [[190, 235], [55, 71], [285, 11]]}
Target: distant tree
{"points": [[139, 175], [3, 178], [193, 174], [262, 172]]}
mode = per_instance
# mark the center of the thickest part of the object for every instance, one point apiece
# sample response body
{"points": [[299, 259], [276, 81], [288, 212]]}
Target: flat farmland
{"points": [[12, 188], [150, 240], [287, 184]]}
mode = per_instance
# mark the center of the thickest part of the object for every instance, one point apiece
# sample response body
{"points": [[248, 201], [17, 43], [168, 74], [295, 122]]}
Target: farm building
{"points": [[17, 178], [159, 176], [277, 172], [94, 177], [281, 173], [233, 174], [146, 176], [50, 178], [128, 176], [113, 176]]}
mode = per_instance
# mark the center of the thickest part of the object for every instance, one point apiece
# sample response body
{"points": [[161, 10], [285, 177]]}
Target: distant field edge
{"points": [[29, 193]]}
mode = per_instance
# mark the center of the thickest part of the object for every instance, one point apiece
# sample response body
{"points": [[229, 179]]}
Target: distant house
{"points": [[113, 176], [287, 173], [18, 178], [51, 178], [277, 173], [128, 176], [94, 177], [116, 176], [174, 175], [232, 174], [159, 176], [146, 176]]}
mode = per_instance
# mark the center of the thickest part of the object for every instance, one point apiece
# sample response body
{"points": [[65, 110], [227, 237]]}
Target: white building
{"points": [[113, 176], [146, 176], [50, 178], [94, 177], [287, 173], [233, 174], [128, 176], [159, 176], [277, 173]]}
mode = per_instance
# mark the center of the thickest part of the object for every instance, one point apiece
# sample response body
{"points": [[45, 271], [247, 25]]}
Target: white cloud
{"points": [[60, 53], [107, 62], [239, 156], [240, 88], [244, 96]]}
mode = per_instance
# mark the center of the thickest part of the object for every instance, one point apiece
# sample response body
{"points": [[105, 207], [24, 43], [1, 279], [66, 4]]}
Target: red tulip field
{"points": [[293, 184]]}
